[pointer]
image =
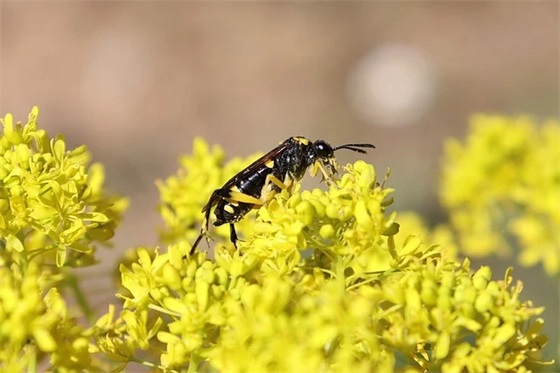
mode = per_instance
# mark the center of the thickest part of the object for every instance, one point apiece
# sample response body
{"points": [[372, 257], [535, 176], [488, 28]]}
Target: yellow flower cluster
{"points": [[324, 279], [33, 323], [51, 206], [323, 282], [53, 211], [503, 182]]}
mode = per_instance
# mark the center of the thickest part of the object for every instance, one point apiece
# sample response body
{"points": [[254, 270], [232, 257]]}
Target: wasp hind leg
{"points": [[204, 228], [239, 197], [203, 233], [195, 244], [233, 235]]}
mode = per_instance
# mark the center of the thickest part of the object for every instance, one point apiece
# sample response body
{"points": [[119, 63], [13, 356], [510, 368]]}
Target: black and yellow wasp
{"points": [[274, 171]]}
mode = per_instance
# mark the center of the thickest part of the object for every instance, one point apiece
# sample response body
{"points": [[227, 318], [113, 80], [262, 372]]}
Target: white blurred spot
{"points": [[392, 86]]}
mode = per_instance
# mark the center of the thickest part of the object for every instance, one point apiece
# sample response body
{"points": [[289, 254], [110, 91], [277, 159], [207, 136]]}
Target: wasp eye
{"points": [[323, 149]]}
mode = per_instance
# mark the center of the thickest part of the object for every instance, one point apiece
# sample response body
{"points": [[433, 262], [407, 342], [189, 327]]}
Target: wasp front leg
{"points": [[327, 174]]}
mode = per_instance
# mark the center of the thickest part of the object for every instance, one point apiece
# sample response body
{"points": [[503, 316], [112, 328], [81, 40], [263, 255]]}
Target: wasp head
{"points": [[324, 153]]}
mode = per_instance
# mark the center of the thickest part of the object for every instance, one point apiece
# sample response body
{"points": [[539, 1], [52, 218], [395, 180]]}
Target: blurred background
{"points": [[137, 81]]}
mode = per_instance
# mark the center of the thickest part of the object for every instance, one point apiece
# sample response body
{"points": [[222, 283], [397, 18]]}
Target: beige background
{"points": [[136, 81]]}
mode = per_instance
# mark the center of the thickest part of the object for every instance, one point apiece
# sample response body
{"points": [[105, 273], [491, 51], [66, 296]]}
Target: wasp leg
{"points": [[327, 176], [233, 235], [231, 196], [204, 229], [268, 192], [235, 196], [195, 244], [203, 233], [270, 178]]}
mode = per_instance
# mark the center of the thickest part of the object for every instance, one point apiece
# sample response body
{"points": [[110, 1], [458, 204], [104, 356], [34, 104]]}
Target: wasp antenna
{"points": [[355, 147], [360, 145]]}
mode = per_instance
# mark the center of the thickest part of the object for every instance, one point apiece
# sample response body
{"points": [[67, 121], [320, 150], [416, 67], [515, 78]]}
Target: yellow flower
{"points": [[51, 203], [504, 181], [54, 210], [324, 281], [33, 324]]}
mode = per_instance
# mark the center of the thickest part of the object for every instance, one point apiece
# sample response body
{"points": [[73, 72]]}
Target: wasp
{"points": [[278, 169]]}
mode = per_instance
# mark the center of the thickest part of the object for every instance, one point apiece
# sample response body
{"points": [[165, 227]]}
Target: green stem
{"points": [[72, 281], [32, 367]]}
